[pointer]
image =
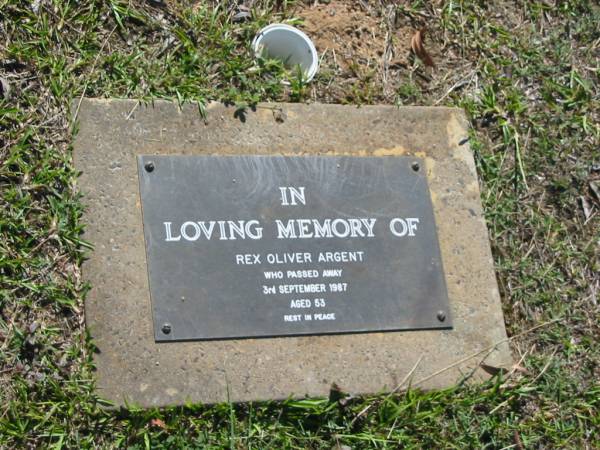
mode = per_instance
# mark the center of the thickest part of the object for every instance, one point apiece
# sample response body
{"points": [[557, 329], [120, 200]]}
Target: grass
{"points": [[527, 73]]}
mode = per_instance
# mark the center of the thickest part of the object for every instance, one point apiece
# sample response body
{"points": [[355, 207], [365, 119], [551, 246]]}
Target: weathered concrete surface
{"points": [[132, 368]]}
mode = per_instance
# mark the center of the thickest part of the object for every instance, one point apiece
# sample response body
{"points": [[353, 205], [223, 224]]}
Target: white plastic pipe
{"points": [[289, 45]]}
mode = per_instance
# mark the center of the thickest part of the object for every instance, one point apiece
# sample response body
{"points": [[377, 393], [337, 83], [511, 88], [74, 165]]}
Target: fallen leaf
{"points": [[418, 48], [493, 370], [158, 423], [587, 212]]}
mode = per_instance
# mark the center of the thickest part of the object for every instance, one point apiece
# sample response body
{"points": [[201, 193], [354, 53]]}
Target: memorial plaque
{"points": [[264, 246], [230, 341]]}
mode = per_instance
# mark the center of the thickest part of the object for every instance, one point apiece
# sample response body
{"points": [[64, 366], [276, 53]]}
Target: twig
{"points": [[387, 52], [396, 389], [406, 378], [545, 367], [132, 110], [518, 364], [486, 349], [518, 442], [460, 83], [392, 429], [505, 402], [91, 70], [362, 411], [42, 242], [519, 159]]}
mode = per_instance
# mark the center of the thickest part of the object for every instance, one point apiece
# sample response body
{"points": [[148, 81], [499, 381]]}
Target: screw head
{"points": [[149, 166], [166, 328], [415, 166], [441, 316]]}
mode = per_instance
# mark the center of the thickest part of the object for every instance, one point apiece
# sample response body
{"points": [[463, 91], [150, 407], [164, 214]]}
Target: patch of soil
{"points": [[347, 31], [365, 47]]}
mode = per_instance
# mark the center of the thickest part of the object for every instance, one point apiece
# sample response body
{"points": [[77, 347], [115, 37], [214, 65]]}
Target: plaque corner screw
{"points": [[415, 166], [166, 328], [441, 316], [149, 166]]}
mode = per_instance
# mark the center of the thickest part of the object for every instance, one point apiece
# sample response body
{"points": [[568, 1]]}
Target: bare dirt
{"points": [[368, 47], [347, 31]]}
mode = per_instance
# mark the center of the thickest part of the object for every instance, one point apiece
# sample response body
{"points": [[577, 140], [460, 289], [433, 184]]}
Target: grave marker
{"points": [[184, 211]]}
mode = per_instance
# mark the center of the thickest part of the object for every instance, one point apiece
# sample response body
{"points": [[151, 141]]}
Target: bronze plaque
{"points": [[264, 246]]}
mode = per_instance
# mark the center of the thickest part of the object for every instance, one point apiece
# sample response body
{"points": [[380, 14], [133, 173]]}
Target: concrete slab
{"points": [[132, 368]]}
